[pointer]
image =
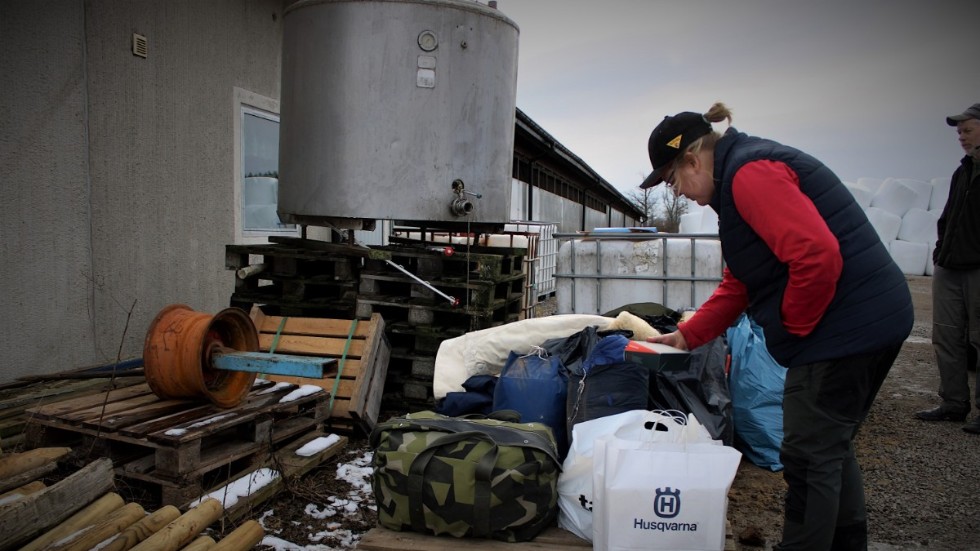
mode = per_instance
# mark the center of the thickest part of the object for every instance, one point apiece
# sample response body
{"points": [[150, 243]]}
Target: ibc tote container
{"points": [[600, 273]]}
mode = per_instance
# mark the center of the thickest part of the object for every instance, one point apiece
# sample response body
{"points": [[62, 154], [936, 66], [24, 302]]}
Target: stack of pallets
{"points": [[487, 283], [295, 277], [404, 286]]}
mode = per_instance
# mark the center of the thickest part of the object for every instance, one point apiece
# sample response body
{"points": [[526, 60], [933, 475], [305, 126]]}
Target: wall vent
{"points": [[139, 45]]}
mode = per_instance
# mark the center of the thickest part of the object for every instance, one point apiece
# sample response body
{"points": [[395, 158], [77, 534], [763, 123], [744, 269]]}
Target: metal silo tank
{"points": [[397, 109]]}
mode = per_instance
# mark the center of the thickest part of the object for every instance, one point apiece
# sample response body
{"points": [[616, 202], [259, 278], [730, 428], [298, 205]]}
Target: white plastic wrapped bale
{"points": [[709, 221], [860, 193], [588, 270], [885, 223], [690, 222], [929, 264], [918, 226], [922, 189], [260, 217], [870, 184], [699, 220], [940, 193], [260, 190], [894, 197], [910, 257]]}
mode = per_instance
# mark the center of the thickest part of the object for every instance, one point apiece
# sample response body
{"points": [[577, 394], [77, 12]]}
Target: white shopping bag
{"points": [[575, 483], [655, 495]]}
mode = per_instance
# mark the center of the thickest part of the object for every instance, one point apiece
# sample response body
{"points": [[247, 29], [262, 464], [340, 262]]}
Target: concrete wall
{"points": [[119, 172]]}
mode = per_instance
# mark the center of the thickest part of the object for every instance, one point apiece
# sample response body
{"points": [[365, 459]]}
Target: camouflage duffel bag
{"points": [[482, 478]]}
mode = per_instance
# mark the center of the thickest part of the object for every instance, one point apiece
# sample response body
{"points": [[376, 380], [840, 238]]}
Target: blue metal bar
{"points": [[274, 364]]}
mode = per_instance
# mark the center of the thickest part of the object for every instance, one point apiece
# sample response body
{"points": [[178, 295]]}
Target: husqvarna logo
{"points": [[667, 504]]}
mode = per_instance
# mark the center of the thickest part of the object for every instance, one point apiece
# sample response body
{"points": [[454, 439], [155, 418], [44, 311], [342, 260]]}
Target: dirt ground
{"points": [[921, 479]]}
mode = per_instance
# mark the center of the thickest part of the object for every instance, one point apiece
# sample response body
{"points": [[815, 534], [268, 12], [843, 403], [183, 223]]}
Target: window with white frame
{"points": [[257, 139]]}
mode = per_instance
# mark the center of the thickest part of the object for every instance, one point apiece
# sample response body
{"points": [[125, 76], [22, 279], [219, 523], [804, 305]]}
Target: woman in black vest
{"points": [[805, 263]]}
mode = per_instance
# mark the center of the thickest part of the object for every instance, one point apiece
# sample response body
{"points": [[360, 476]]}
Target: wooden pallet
{"points": [[297, 277], [364, 351], [473, 263], [382, 539], [20, 395], [551, 539], [286, 462], [177, 447], [428, 311]]}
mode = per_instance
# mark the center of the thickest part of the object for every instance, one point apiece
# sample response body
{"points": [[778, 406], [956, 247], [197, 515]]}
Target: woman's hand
{"points": [[675, 339]]}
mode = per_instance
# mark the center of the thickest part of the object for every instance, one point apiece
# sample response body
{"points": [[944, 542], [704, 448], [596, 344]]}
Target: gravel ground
{"points": [[921, 479]]}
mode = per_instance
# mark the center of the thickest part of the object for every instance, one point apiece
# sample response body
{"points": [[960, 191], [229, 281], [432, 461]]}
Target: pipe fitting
{"points": [[461, 207]]}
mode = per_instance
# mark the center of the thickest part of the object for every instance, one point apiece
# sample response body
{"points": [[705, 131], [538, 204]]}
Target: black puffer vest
{"points": [[872, 307]]}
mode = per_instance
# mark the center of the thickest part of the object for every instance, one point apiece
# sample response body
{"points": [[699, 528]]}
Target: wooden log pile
{"points": [[81, 512]]}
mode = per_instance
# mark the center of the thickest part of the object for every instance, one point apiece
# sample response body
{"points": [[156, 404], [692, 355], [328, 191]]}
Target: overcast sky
{"points": [[864, 86]]}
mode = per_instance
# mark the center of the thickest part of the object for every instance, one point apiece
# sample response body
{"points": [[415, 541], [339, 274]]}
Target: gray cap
{"points": [[972, 112]]}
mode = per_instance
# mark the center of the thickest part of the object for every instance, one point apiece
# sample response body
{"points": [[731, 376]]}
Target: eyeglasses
{"points": [[669, 176]]}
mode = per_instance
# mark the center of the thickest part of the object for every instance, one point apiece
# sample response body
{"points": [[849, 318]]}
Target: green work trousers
{"points": [[955, 328]]}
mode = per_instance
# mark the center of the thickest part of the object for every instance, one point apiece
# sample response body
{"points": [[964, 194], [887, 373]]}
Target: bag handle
{"points": [[481, 498], [661, 426], [508, 435], [508, 415], [537, 351]]}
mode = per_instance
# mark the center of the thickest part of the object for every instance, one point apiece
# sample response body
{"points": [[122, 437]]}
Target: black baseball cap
{"points": [[972, 112], [669, 138]]}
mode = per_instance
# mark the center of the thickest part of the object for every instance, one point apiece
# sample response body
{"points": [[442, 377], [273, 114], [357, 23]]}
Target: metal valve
{"points": [[460, 205]]}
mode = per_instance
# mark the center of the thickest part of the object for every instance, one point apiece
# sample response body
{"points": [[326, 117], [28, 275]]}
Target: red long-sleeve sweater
{"points": [[767, 196]]}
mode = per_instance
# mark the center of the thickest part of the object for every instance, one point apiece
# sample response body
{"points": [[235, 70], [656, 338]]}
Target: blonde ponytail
{"points": [[718, 112]]}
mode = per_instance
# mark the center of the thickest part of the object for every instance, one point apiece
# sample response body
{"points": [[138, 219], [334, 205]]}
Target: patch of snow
{"points": [[243, 487], [317, 513], [105, 543], [300, 392], [345, 538], [283, 545], [261, 520], [199, 424], [12, 497], [275, 387], [357, 473], [72, 536], [317, 445]]}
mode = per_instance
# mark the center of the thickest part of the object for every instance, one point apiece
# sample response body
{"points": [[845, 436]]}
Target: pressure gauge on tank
{"points": [[428, 41]]}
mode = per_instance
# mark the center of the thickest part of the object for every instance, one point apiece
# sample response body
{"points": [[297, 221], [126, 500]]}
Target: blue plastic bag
{"points": [[756, 384], [535, 385]]}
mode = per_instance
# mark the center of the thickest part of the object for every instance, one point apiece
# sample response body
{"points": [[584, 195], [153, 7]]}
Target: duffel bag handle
{"points": [[481, 498], [508, 415]]}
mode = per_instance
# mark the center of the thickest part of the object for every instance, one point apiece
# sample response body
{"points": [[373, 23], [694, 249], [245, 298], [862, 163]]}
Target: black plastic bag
{"points": [[701, 389], [574, 349], [659, 317]]}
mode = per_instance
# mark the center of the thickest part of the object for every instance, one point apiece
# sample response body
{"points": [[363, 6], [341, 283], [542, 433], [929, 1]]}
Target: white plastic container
{"points": [[599, 274]]}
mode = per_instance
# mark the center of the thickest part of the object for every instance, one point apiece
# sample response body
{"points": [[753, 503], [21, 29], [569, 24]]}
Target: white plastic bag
{"points": [[575, 484], [661, 495]]}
